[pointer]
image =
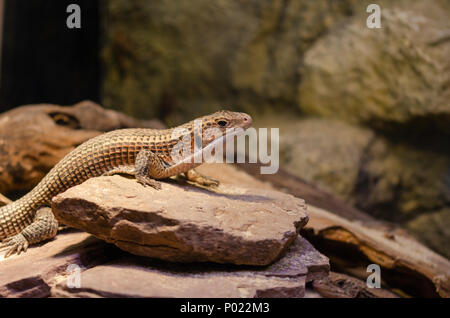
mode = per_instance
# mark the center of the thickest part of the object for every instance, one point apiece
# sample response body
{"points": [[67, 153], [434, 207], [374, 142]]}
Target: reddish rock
{"points": [[108, 272], [141, 277], [185, 223], [122, 280], [32, 274], [301, 258]]}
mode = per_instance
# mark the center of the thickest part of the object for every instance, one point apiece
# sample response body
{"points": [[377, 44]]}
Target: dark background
{"points": [[43, 61]]}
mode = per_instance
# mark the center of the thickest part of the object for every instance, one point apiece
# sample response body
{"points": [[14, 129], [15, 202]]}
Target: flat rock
{"points": [[106, 271], [133, 276], [185, 223], [34, 273]]}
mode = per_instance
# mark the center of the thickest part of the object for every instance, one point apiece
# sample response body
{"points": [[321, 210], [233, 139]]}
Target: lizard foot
{"points": [[200, 179], [16, 244], [208, 182], [146, 181]]}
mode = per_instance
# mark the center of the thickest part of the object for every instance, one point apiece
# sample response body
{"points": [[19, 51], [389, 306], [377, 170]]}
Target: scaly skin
{"points": [[145, 153]]}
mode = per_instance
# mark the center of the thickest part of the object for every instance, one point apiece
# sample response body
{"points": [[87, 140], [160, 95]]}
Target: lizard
{"points": [[145, 153]]}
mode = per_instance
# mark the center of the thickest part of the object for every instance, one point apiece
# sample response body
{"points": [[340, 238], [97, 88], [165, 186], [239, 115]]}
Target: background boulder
{"points": [[186, 58], [395, 75]]}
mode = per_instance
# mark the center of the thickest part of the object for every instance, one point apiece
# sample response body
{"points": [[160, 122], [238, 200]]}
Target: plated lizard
{"points": [[145, 153]]}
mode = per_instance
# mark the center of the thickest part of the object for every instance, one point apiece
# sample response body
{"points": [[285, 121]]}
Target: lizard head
{"points": [[223, 124], [204, 134]]}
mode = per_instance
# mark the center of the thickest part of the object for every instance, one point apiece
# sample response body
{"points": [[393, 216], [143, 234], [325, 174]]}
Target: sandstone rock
{"points": [[185, 223], [395, 75], [301, 258], [106, 271], [34, 273], [34, 138], [124, 280], [139, 277]]}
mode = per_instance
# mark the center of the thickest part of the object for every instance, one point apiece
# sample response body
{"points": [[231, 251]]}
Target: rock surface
{"points": [[139, 277], [106, 271], [228, 52], [325, 152], [398, 182], [395, 75], [185, 223], [433, 229], [34, 138], [32, 274]]}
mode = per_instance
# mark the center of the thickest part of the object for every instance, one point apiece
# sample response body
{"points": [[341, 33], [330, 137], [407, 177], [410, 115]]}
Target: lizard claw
{"points": [[16, 244]]}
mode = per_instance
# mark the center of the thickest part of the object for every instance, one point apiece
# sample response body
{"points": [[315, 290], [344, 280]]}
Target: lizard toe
{"points": [[14, 244]]}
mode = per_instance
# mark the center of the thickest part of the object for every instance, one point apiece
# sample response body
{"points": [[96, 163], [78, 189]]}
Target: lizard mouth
{"points": [[198, 156]]}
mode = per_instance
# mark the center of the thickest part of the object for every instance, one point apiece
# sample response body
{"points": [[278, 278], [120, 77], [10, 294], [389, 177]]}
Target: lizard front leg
{"points": [[43, 227], [149, 166]]}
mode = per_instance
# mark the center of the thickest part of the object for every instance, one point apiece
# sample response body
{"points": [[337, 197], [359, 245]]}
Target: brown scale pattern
{"points": [[100, 155], [91, 159]]}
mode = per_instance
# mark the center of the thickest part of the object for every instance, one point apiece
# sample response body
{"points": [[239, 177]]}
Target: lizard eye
{"points": [[222, 123]]}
